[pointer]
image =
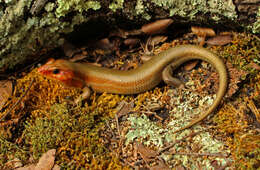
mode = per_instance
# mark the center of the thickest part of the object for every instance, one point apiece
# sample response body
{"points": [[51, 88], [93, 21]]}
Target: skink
{"points": [[135, 81]]}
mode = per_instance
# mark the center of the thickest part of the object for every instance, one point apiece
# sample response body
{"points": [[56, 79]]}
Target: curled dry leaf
{"points": [[6, 89], [219, 40], [190, 65], [157, 26]]}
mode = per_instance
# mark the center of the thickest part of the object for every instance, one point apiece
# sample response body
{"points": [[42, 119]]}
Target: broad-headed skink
{"points": [[144, 78]]}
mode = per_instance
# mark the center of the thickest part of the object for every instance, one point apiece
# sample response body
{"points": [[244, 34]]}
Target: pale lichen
{"points": [[116, 4], [190, 8], [66, 6]]}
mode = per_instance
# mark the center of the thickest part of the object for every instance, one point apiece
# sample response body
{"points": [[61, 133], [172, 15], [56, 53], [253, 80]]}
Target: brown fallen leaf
{"points": [[15, 163], [157, 26], [27, 167], [219, 40], [146, 153], [6, 90], [160, 166], [124, 108], [46, 161], [190, 65]]}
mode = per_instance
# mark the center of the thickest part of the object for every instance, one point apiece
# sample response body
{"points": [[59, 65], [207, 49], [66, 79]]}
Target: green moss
{"points": [[66, 6], [9, 151], [70, 132], [256, 26]]}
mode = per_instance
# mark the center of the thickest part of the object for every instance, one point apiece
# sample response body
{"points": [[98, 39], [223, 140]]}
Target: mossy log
{"points": [[31, 27]]}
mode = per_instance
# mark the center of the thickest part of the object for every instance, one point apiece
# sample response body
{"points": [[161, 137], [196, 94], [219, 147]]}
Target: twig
{"points": [[9, 122], [17, 102], [117, 125], [178, 141], [200, 154]]}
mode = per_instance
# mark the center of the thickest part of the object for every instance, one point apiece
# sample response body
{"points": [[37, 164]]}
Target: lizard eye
{"points": [[56, 71]]}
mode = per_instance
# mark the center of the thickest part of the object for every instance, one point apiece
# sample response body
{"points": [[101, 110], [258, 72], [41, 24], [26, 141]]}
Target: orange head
{"points": [[63, 71]]}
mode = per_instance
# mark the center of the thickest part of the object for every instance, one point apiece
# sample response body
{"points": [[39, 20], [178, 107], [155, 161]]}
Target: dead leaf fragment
{"points": [[219, 40], [124, 108], [6, 89], [189, 66], [46, 162], [161, 165], [157, 26], [146, 153]]}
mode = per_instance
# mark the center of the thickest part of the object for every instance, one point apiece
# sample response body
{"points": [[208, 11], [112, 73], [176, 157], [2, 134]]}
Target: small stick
{"points": [[17, 102], [178, 141], [201, 154]]}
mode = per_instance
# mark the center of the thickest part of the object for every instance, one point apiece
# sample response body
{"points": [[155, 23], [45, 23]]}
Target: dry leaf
{"points": [[161, 166], [203, 32], [157, 26], [190, 65], [124, 108], [6, 89], [28, 167], [46, 161], [219, 40], [146, 153], [15, 163]]}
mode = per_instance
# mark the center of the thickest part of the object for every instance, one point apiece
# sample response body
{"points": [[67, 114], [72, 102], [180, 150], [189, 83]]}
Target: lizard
{"points": [[141, 79]]}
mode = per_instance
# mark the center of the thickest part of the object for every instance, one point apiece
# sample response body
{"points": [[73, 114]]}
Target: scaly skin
{"points": [[135, 81]]}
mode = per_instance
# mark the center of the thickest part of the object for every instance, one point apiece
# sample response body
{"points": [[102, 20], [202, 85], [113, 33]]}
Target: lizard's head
{"points": [[63, 71]]}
